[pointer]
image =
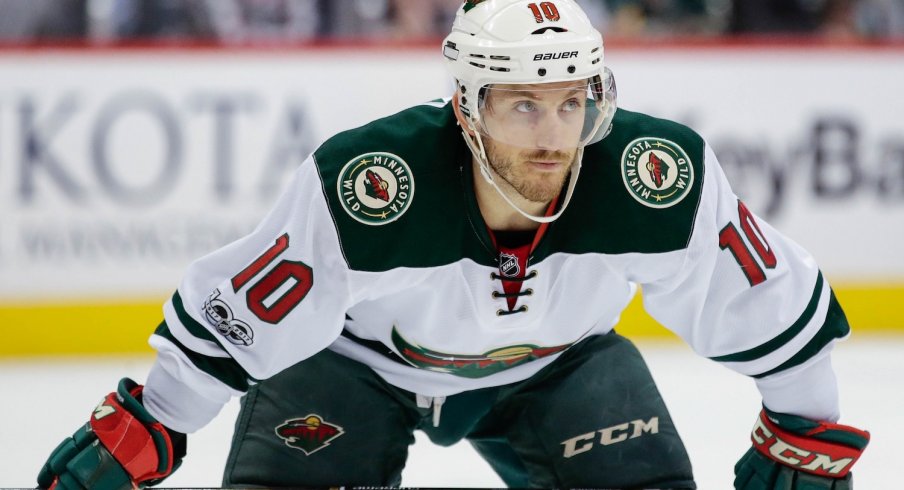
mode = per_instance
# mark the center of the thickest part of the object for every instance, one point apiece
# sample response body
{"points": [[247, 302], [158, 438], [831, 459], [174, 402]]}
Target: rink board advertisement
{"points": [[120, 166]]}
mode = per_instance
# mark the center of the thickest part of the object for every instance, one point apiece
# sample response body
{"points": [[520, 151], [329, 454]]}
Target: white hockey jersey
{"points": [[377, 251]]}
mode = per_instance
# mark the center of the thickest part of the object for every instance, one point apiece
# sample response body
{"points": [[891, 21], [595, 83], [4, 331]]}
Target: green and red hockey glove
{"points": [[794, 453], [121, 447]]}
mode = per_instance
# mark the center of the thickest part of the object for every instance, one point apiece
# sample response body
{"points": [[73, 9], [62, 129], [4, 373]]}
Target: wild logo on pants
{"points": [[309, 433]]}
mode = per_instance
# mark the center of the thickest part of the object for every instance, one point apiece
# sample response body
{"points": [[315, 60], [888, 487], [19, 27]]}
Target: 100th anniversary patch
{"points": [[376, 188], [657, 172]]}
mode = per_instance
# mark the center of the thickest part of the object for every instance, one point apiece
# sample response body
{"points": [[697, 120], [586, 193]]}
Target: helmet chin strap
{"points": [[479, 151]]}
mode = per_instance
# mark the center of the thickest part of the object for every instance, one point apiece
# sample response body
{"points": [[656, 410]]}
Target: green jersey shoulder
{"points": [[400, 191], [638, 191], [394, 187]]}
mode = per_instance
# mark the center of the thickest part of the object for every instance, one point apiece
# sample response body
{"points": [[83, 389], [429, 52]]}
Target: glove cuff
{"points": [[140, 443], [805, 451]]}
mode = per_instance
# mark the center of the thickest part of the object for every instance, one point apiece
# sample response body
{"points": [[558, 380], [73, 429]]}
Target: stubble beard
{"points": [[538, 187]]}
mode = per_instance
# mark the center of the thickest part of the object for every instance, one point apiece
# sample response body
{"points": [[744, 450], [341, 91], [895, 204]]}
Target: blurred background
{"points": [[138, 135], [242, 21]]}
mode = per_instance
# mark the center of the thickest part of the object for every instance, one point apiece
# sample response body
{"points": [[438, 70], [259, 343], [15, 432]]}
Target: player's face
{"points": [[533, 132]]}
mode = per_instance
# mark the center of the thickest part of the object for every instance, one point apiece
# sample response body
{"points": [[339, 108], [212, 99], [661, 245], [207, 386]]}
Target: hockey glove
{"points": [[121, 447], [794, 453]]}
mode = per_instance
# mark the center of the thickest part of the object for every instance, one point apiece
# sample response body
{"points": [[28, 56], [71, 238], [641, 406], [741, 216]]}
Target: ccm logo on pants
{"points": [[610, 435]]}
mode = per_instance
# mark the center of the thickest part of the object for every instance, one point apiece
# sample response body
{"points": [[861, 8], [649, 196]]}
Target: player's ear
{"points": [[456, 108]]}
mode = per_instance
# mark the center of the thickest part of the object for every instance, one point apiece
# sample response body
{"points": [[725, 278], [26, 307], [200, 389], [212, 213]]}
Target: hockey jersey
{"points": [[377, 250]]}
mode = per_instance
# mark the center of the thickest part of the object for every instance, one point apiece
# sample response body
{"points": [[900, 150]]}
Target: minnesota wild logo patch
{"points": [[657, 172], [375, 188], [309, 433]]}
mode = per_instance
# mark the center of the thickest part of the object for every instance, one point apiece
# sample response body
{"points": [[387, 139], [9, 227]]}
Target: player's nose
{"points": [[551, 133]]}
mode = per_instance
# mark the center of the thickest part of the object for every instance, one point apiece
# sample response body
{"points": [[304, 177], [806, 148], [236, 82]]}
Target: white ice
{"points": [[45, 400]]}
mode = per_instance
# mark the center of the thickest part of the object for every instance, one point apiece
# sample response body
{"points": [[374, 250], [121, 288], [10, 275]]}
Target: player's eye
{"points": [[571, 105], [525, 106]]}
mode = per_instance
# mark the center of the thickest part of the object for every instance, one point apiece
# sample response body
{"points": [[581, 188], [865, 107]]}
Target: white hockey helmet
{"points": [[500, 44], [527, 42]]}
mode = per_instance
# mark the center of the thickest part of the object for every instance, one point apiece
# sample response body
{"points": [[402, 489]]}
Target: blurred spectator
{"points": [[26, 20], [409, 19], [230, 21], [265, 20], [643, 18], [355, 19], [598, 12], [831, 18], [421, 18], [839, 21], [241, 21], [880, 18], [161, 19]]}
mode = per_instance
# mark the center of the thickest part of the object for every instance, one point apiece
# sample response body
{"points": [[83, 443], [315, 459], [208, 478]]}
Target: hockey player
{"points": [[459, 268]]}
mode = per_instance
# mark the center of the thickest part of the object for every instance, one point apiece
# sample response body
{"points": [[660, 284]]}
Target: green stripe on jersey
{"points": [[782, 338], [190, 323], [835, 326], [224, 369]]}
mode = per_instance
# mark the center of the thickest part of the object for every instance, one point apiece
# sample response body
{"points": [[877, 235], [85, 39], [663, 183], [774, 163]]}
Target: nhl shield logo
{"points": [[309, 433], [657, 172], [508, 265], [375, 188]]}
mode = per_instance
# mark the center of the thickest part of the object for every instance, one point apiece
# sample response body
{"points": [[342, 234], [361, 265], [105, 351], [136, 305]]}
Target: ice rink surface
{"points": [[45, 400]]}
